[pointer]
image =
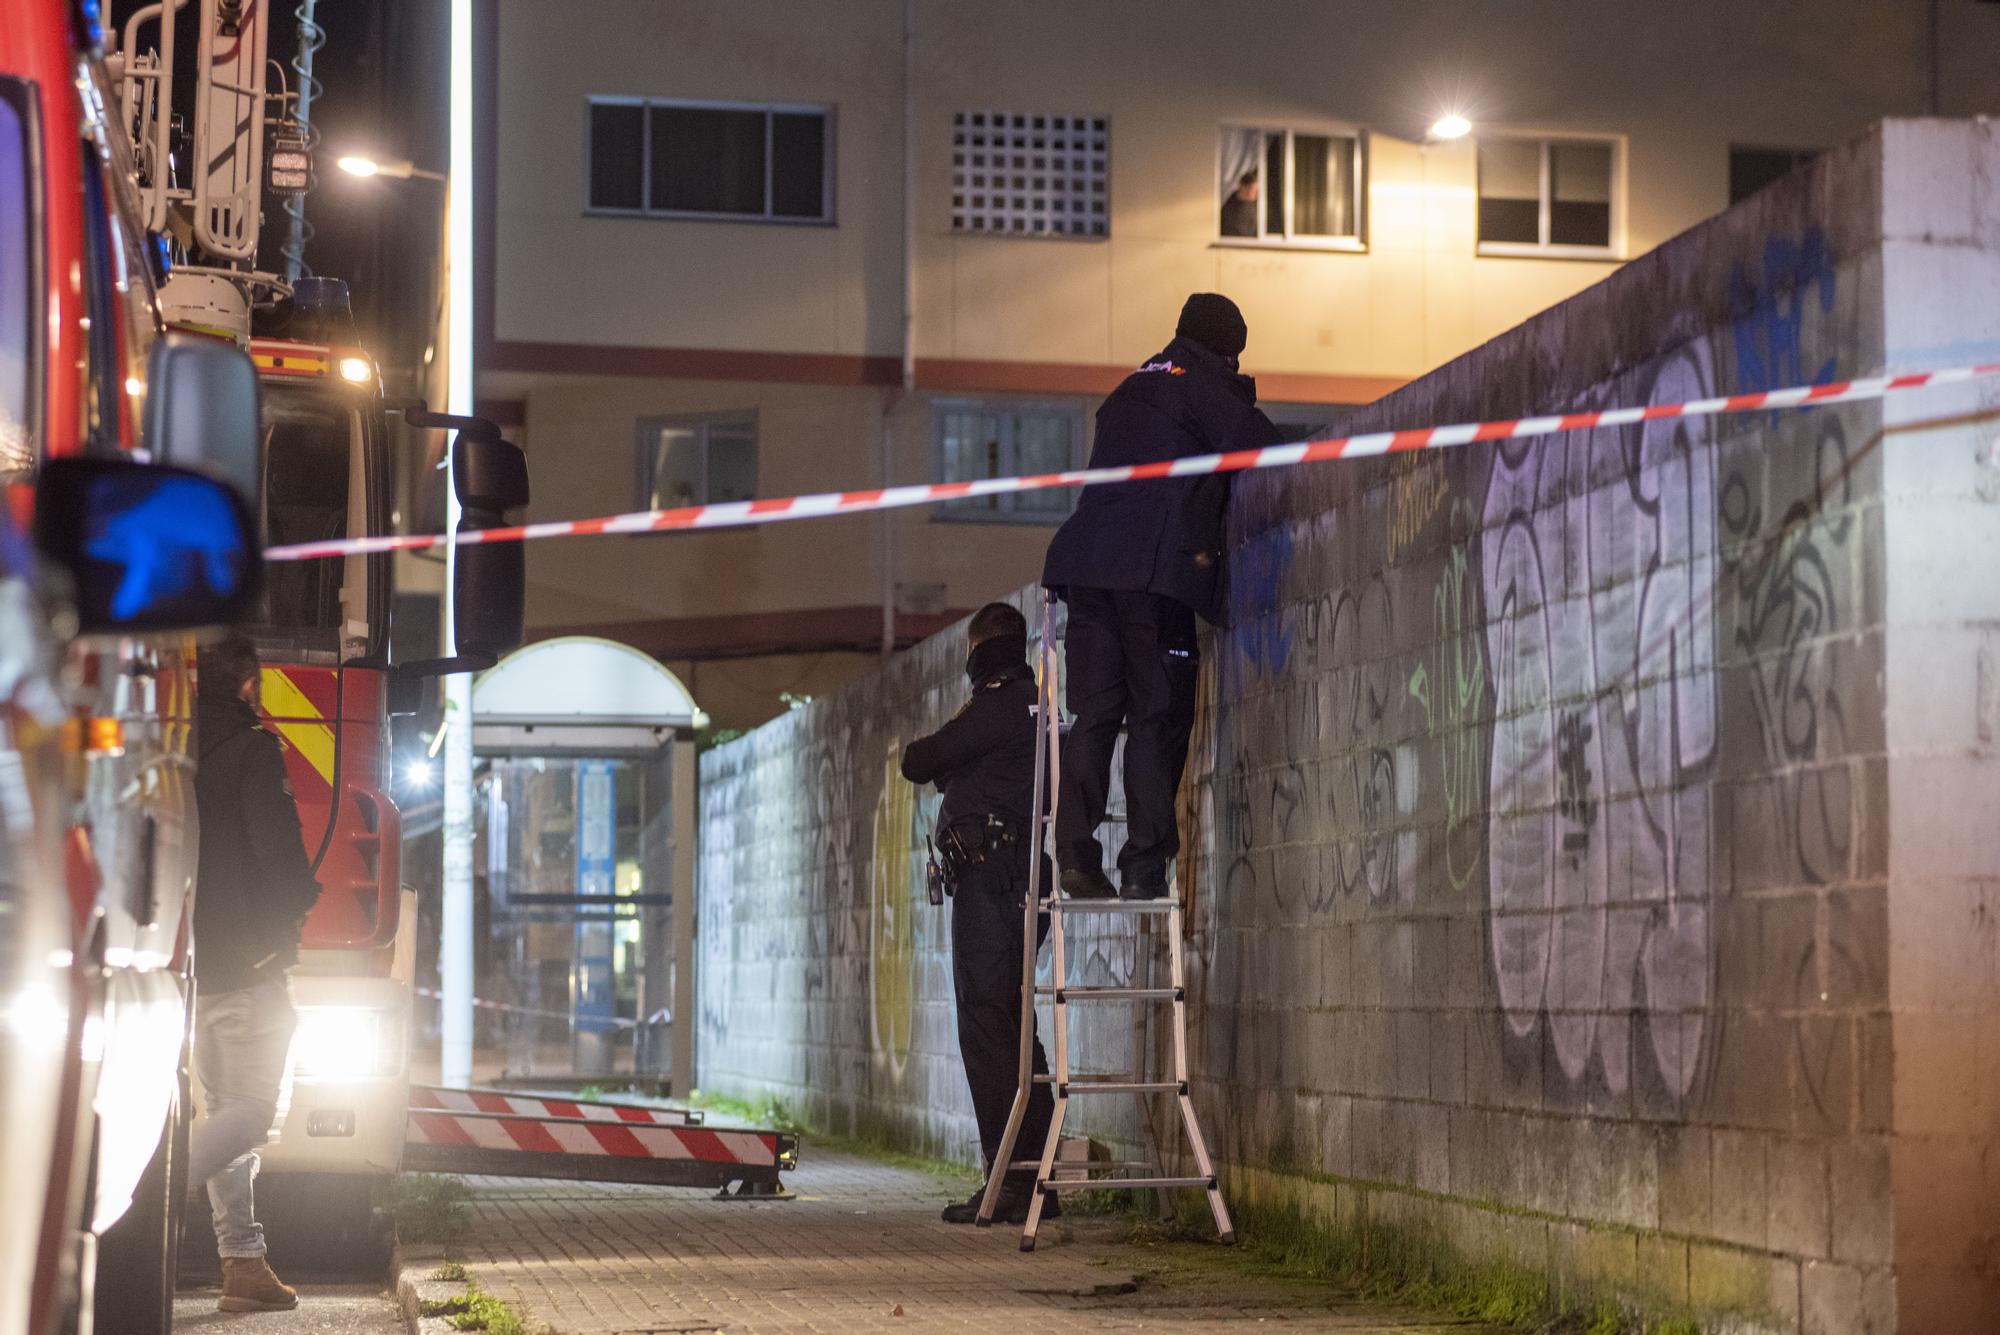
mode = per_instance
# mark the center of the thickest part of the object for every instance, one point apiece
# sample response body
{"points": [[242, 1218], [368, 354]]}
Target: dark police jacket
{"points": [[1163, 535], [254, 884], [983, 758]]}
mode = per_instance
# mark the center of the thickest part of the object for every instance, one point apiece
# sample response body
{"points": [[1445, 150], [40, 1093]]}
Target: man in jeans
{"points": [[252, 892]]}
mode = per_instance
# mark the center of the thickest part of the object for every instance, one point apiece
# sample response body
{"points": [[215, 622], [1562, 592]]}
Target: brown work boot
{"points": [[248, 1285]]}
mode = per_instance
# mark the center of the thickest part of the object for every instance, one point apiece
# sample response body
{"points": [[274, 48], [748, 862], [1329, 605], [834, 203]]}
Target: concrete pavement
{"points": [[860, 1249], [324, 1309]]}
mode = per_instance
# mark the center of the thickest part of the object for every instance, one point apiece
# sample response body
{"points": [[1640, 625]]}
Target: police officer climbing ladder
{"points": [[1135, 564]]}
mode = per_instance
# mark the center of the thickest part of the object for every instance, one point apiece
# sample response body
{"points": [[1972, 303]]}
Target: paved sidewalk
{"points": [[861, 1249], [324, 1309]]}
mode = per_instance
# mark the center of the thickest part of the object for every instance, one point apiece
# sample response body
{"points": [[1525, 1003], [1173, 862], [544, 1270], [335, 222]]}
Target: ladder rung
{"points": [[1081, 1165], [1073, 993], [1060, 905], [1135, 1183], [1076, 1086]]}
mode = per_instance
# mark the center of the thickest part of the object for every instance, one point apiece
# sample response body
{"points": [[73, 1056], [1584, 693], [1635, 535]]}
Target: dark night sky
{"points": [[385, 82]]}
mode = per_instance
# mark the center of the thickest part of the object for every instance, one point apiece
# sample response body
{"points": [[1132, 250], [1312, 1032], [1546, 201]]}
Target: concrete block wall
{"points": [[1589, 839]]}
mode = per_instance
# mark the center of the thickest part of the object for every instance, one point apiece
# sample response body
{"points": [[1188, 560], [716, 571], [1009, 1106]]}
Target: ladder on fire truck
{"points": [[1051, 1174]]}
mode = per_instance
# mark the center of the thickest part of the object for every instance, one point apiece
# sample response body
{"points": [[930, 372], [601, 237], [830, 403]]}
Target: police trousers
{"points": [[986, 940], [1132, 662]]}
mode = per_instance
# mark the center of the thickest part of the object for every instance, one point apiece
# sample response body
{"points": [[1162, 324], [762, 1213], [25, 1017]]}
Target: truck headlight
{"points": [[347, 1042]]}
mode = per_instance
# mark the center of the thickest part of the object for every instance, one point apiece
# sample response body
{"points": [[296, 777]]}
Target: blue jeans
{"points": [[242, 1053]]}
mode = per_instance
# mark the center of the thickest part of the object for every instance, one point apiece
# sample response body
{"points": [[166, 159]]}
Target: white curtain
{"points": [[1242, 151]]}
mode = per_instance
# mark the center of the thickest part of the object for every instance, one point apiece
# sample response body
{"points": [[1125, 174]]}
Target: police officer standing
{"points": [[983, 760], [1136, 563]]}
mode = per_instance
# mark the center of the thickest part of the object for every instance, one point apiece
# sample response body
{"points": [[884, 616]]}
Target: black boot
{"points": [[1143, 883], [1088, 883]]}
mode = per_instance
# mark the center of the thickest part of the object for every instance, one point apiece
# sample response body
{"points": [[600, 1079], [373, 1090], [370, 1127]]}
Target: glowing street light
{"points": [[1449, 126], [354, 164]]}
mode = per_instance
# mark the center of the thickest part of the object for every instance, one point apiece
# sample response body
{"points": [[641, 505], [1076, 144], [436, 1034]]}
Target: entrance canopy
{"points": [[579, 695]]}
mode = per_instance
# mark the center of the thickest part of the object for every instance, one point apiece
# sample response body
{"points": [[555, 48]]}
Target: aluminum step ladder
{"points": [[1078, 1175]]}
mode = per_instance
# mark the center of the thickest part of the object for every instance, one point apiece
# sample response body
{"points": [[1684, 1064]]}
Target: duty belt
{"points": [[964, 844]]}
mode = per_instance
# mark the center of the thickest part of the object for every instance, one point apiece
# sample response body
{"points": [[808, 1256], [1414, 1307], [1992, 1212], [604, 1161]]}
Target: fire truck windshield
{"points": [[320, 472]]}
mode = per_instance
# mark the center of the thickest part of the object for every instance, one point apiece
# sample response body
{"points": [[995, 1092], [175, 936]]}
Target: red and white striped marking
{"points": [[427, 1098], [618, 1140], [778, 509]]}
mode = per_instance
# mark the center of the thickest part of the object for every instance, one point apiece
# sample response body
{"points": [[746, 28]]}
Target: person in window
{"points": [[983, 760], [1239, 211], [1137, 562], [253, 888]]}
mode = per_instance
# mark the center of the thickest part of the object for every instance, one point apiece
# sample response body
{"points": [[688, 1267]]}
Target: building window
{"points": [[1751, 169], [1548, 197], [1026, 175], [980, 440], [702, 460], [1289, 186], [710, 160]]}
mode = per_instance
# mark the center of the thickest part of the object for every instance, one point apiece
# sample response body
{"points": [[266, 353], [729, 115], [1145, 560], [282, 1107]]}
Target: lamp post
{"points": [[455, 952]]}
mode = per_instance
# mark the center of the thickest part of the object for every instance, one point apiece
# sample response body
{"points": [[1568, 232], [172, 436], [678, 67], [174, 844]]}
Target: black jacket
{"points": [[983, 758], [254, 885], [1162, 535]]}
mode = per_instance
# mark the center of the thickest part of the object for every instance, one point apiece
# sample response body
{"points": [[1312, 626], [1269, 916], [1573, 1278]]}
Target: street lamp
{"points": [[1448, 126], [354, 164], [455, 946]]}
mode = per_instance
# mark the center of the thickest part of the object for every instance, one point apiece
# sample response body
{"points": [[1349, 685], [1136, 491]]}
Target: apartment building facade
{"points": [[779, 246]]}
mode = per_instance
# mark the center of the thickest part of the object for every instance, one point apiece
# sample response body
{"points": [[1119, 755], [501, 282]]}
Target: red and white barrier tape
{"points": [[432, 1098], [777, 509], [615, 1139]]}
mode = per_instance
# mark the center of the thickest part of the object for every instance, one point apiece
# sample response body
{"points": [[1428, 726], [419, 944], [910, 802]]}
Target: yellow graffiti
{"points": [[892, 949], [1416, 492], [287, 704]]}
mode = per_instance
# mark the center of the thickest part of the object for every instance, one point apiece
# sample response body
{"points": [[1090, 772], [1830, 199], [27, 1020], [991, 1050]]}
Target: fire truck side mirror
{"points": [[201, 409], [491, 475], [490, 591], [148, 547]]}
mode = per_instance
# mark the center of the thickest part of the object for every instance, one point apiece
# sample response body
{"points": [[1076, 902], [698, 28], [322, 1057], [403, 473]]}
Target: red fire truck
{"points": [[323, 468], [323, 632], [98, 406]]}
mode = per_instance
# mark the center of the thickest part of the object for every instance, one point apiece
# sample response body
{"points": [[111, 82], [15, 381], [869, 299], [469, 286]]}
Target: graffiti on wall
{"points": [[1599, 559], [1789, 571], [892, 928], [1450, 688], [1257, 573], [1418, 489], [716, 941]]}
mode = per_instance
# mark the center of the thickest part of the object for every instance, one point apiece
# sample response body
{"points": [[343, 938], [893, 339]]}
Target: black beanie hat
{"points": [[1212, 320]]}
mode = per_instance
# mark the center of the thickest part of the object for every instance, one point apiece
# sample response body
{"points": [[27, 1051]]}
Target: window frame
{"points": [[1357, 244], [1004, 513], [645, 434], [1614, 247], [824, 111]]}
